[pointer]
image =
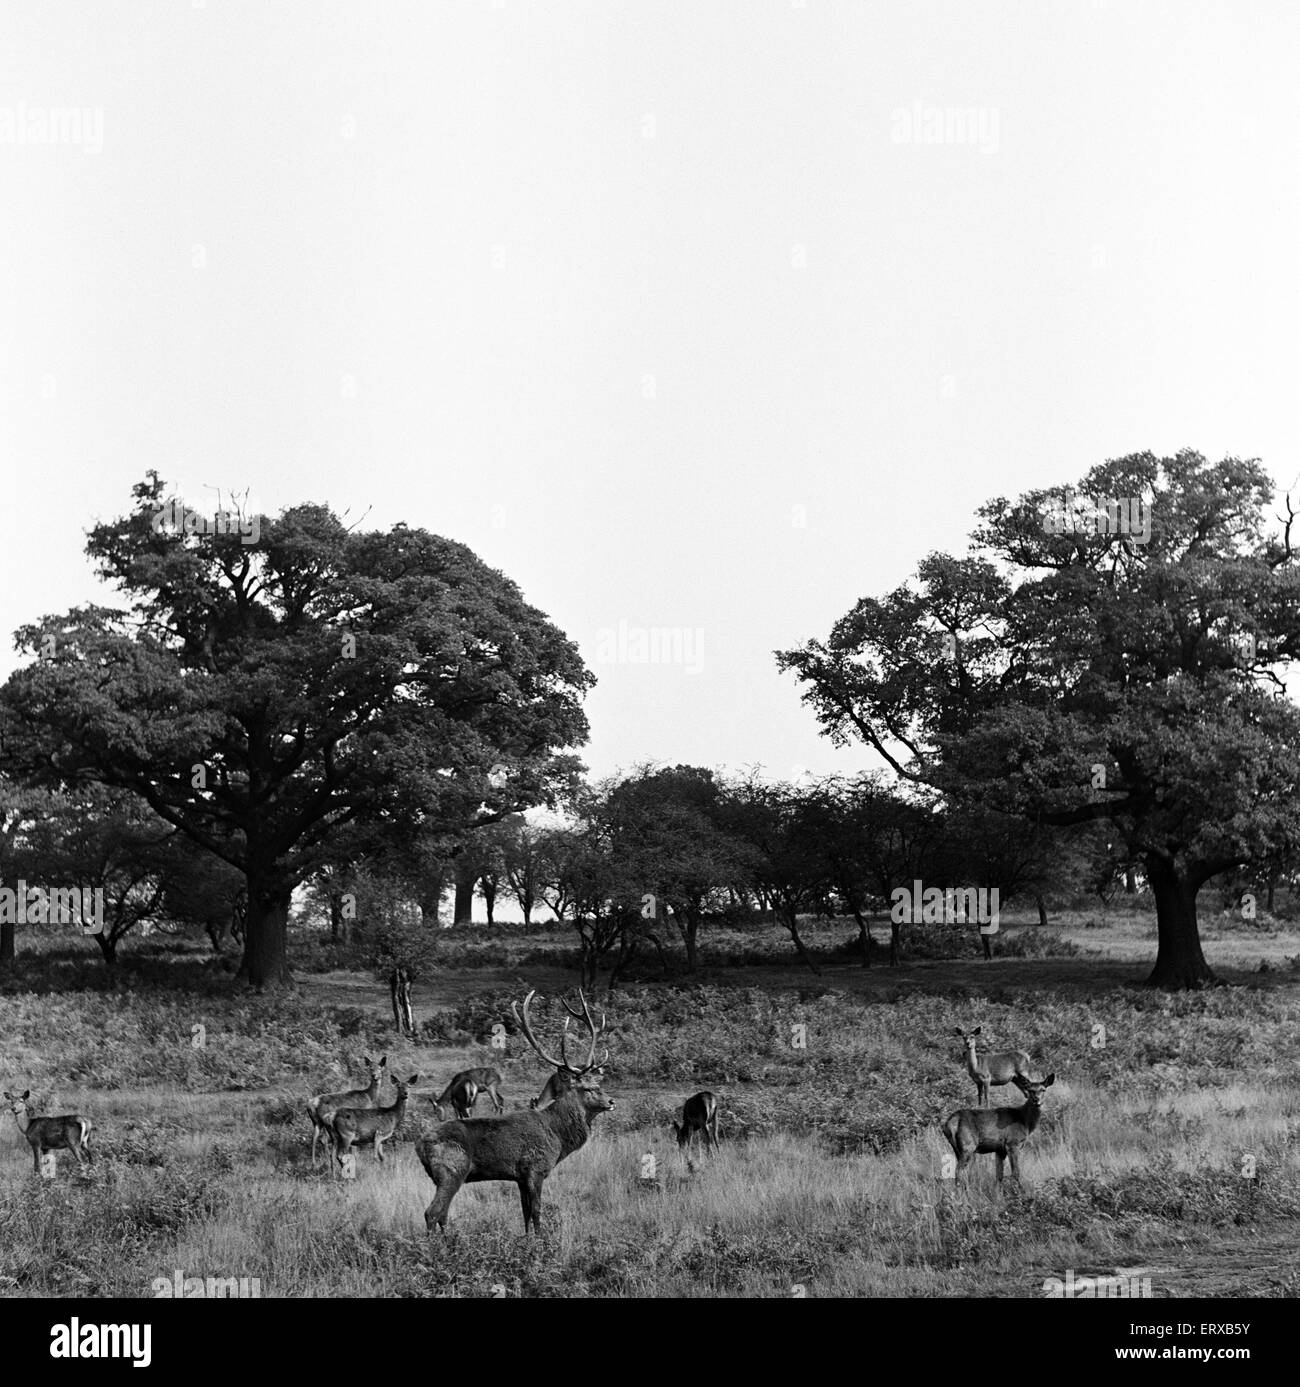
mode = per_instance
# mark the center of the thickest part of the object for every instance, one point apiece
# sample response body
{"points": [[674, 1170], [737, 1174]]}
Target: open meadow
{"points": [[1169, 1147]]}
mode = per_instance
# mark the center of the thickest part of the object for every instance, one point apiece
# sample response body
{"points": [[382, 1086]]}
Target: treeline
{"points": [[647, 861], [641, 863]]}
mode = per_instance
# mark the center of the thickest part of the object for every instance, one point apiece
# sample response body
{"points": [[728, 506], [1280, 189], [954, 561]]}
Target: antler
{"points": [[584, 1016], [527, 1029]]}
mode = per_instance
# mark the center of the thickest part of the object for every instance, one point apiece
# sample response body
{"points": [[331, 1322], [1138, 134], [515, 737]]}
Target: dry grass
{"points": [[830, 1180]]}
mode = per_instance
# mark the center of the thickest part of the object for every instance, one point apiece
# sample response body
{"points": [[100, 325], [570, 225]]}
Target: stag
{"points": [[521, 1146], [559, 1082]]}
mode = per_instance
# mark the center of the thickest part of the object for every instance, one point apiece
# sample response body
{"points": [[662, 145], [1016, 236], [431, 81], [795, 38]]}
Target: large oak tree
{"points": [[262, 696], [1073, 673]]}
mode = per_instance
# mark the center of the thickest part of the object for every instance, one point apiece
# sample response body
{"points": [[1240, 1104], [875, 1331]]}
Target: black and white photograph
{"points": [[650, 653]]}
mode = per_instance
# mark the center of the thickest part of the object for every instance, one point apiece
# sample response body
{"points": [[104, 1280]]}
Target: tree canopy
{"points": [[264, 694], [1086, 671]]}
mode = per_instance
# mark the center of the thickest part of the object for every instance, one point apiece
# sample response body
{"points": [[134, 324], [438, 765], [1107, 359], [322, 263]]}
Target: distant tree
{"points": [[782, 824], [22, 809], [522, 863], [110, 848], [667, 829]]}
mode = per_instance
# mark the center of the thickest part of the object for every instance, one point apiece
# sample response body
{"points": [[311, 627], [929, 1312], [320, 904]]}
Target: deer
{"points": [[1001, 1132], [699, 1115], [558, 1083], [523, 1146], [68, 1132], [399, 987], [369, 1126], [323, 1105], [995, 1069], [463, 1092]]}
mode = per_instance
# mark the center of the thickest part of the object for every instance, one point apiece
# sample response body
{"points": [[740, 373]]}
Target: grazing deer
{"points": [[523, 1146], [463, 1092], [68, 1132], [320, 1107], [1002, 1068], [369, 1126], [975, 1132], [399, 985], [559, 1082], [699, 1114]]}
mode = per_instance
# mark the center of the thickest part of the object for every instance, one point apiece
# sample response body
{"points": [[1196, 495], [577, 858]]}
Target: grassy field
{"points": [[830, 1180]]}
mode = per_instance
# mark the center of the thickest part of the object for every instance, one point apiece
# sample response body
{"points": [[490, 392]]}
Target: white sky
{"points": [[607, 291]]}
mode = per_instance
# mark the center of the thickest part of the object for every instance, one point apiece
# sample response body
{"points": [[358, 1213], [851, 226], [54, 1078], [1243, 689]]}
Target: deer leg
{"points": [[37, 1152], [447, 1165], [1015, 1162], [1001, 1161], [447, 1183], [526, 1201], [535, 1182]]}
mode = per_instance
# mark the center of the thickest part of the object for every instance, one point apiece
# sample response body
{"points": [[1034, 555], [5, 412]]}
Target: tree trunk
{"points": [[429, 903], [489, 889], [526, 905], [266, 957], [336, 916], [463, 913], [1180, 964], [107, 947], [894, 927], [6, 944], [792, 924], [1130, 881], [864, 937], [1272, 882], [690, 937], [1042, 910]]}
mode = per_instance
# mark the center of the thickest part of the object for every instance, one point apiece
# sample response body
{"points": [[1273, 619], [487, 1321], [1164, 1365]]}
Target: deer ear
{"points": [[977, 1030], [383, 1063], [414, 1079], [1049, 1081], [27, 1093], [367, 1061]]}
